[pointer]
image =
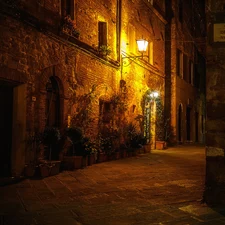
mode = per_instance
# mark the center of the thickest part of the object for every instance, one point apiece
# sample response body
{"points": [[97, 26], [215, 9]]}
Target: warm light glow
{"points": [[142, 45], [154, 94]]}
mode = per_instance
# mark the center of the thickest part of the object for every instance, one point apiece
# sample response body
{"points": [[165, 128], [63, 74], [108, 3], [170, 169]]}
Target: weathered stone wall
{"points": [[215, 96], [139, 75], [183, 93], [35, 55], [33, 49]]}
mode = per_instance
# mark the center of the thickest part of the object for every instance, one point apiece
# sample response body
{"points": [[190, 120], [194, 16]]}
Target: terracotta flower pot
{"points": [[91, 159], [117, 155], [124, 154], [101, 157], [43, 170], [160, 145], [72, 162], [55, 167], [29, 170], [85, 161]]}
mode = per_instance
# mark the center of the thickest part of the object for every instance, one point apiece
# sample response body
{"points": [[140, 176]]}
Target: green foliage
{"points": [[50, 136], [163, 127], [69, 27], [90, 146], [107, 140], [75, 134], [84, 115], [119, 102], [81, 145], [105, 49], [134, 138], [160, 132]]}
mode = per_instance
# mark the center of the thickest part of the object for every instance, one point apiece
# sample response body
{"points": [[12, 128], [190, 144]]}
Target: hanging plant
{"points": [[69, 27]]}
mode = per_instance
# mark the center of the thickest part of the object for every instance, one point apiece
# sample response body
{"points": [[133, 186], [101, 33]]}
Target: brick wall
{"points": [[182, 92], [33, 49], [215, 136]]}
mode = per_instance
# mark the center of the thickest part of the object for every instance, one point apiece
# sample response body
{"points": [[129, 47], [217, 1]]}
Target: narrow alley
{"points": [[161, 187]]}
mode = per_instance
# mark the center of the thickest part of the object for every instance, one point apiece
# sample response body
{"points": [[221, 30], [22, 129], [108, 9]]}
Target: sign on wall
{"points": [[219, 32]]}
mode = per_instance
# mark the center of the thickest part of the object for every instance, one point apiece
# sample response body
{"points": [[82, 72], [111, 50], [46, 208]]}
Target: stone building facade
{"points": [[55, 52], [185, 69], [215, 98]]}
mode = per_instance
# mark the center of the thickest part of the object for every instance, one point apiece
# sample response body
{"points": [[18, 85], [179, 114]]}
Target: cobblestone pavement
{"points": [[161, 187]]}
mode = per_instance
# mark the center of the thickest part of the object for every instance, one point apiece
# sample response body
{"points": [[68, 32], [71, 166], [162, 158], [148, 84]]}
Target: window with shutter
{"points": [[68, 8], [179, 63], [102, 33], [180, 10]]}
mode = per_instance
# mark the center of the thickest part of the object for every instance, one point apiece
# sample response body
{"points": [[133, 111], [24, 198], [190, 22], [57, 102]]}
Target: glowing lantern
{"points": [[142, 45]]}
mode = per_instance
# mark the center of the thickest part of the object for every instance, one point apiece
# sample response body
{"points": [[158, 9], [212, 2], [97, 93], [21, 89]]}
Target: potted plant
{"points": [[162, 127], [133, 139], [105, 148], [69, 27], [33, 142], [74, 158], [104, 50], [123, 150], [49, 139], [90, 147]]}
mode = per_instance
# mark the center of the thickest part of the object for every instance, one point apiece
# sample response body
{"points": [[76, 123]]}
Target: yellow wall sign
{"points": [[219, 32]]}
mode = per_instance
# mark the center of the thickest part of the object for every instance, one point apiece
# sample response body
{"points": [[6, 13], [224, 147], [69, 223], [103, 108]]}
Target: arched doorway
{"points": [[180, 123], [188, 123], [53, 112], [196, 126]]}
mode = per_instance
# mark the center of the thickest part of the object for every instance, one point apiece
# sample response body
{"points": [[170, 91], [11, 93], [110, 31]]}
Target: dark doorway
{"points": [[53, 113], [53, 103], [188, 127], [180, 124], [6, 104], [196, 126]]}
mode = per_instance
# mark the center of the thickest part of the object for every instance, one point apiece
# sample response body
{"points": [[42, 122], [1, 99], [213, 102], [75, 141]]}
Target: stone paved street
{"points": [[161, 187]]}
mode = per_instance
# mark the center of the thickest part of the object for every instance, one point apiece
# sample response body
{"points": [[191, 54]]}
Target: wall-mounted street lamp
{"points": [[142, 45]]}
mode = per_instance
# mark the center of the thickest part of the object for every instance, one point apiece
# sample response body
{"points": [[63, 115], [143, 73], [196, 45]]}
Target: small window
{"points": [[185, 68], [191, 72], [67, 8], [102, 33], [180, 10], [105, 111], [179, 63]]}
